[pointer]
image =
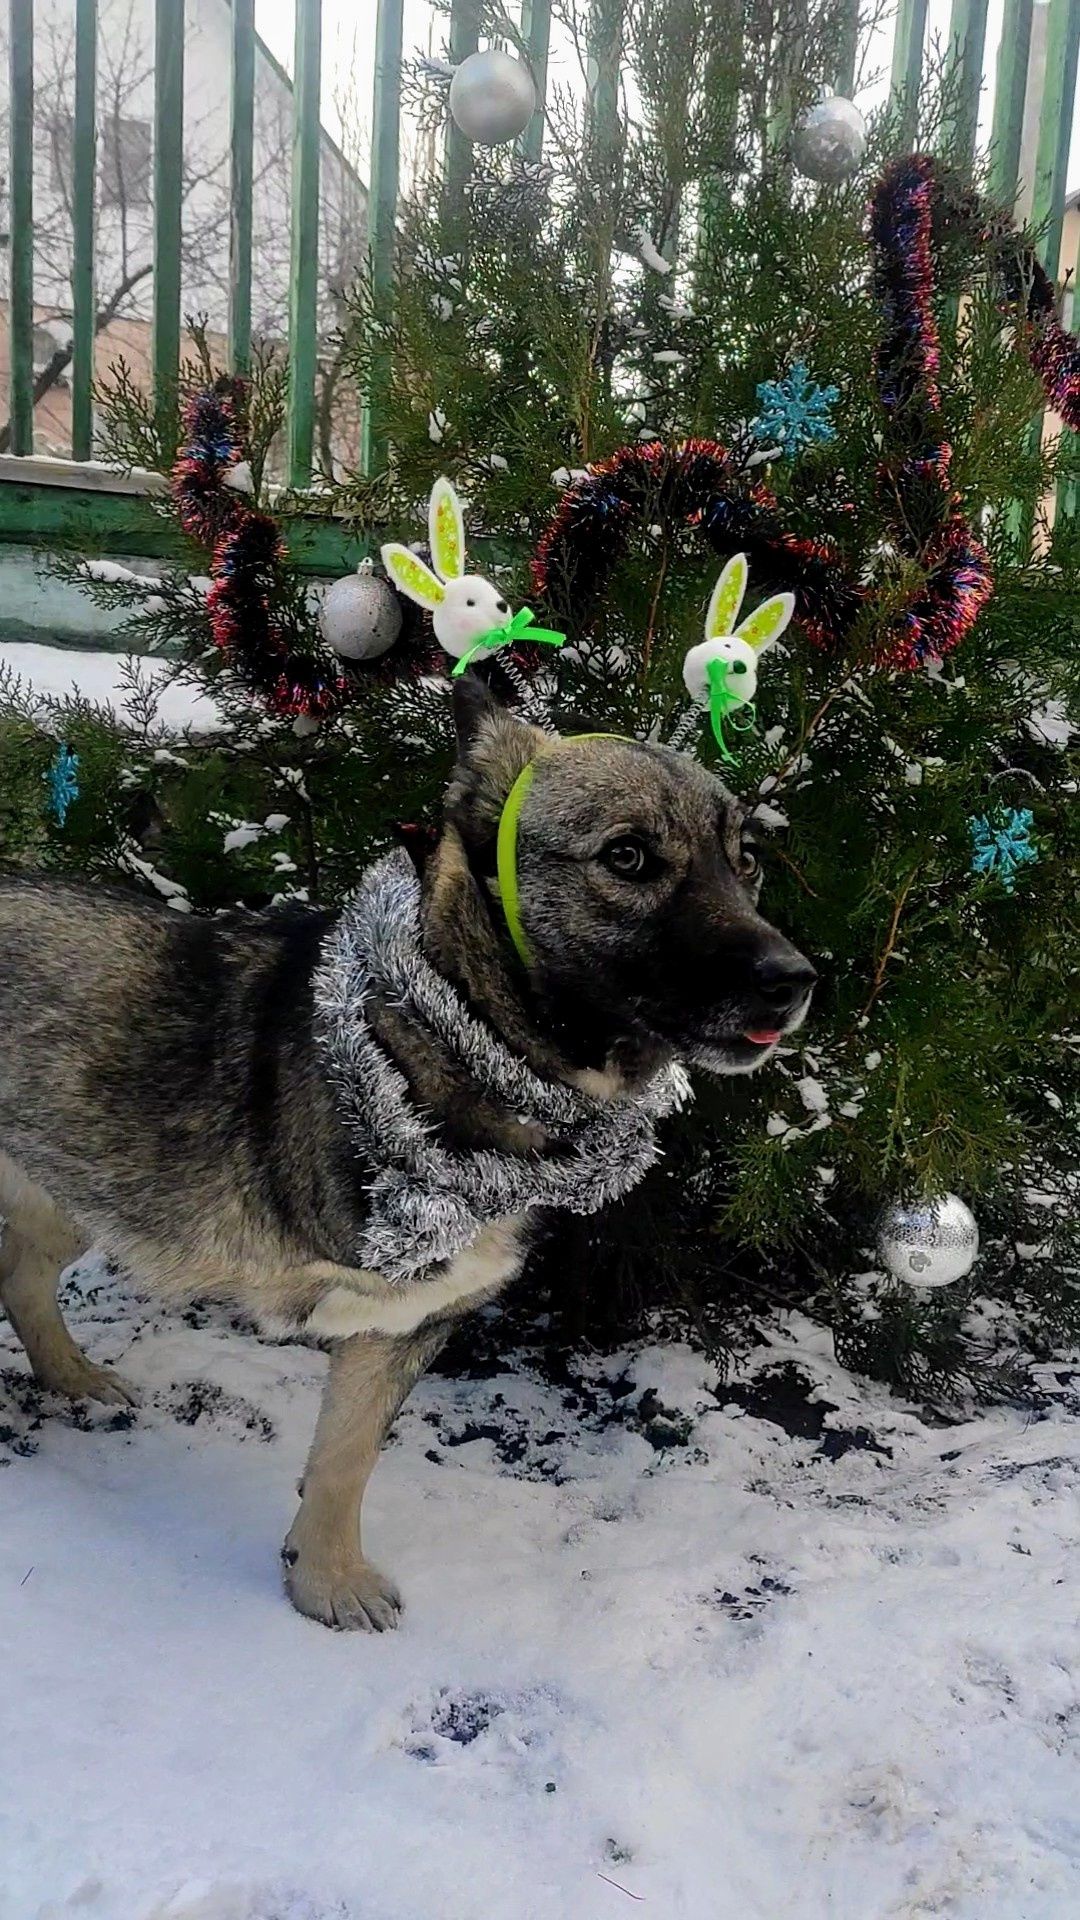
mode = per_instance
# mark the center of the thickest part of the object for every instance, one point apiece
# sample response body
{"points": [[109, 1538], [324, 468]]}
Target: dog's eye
{"points": [[738, 666], [629, 858], [749, 864]]}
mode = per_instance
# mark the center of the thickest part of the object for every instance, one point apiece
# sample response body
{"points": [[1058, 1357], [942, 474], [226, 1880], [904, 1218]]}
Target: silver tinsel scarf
{"points": [[428, 1203]]}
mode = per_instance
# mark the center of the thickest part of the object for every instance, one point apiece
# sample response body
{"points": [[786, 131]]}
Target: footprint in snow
{"points": [[491, 1725]]}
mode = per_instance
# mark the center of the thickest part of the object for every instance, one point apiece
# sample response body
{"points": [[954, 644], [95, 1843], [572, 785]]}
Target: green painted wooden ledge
{"points": [[109, 514], [115, 526]]}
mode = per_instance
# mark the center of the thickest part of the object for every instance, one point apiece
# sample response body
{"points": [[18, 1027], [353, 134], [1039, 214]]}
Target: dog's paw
{"points": [[353, 1594], [80, 1379]]}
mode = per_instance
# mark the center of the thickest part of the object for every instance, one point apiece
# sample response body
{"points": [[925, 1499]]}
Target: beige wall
{"points": [[127, 340], [130, 340]]}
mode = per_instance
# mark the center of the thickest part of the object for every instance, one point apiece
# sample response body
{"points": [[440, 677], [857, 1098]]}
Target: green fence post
{"points": [[1055, 127], [1052, 153], [304, 285], [83, 159], [722, 85], [786, 73], [967, 42], [241, 147], [605, 60], [1068, 491], [464, 39], [536, 33], [847, 52], [604, 137], [605, 55], [1051, 163], [21, 314], [382, 220], [1014, 51], [168, 206], [907, 61]]}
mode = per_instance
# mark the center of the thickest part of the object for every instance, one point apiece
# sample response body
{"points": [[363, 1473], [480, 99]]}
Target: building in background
{"points": [[124, 205]]}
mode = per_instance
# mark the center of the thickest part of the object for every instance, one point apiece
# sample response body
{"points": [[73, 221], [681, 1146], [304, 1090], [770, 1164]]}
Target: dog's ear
{"points": [[474, 704], [494, 746], [489, 733], [419, 841]]}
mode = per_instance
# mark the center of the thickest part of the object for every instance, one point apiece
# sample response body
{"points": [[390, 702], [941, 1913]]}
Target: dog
{"points": [[164, 1094]]}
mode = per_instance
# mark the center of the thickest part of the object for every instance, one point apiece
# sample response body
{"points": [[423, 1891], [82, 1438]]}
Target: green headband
{"points": [[506, 849]]}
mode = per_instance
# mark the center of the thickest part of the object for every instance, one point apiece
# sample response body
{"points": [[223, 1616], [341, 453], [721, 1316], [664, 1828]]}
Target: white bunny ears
{"points": [[465, 607], [721, 671]]}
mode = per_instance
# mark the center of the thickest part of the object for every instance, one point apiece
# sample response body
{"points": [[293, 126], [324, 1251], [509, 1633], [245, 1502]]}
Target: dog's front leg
{"points": [[326, 1574]]}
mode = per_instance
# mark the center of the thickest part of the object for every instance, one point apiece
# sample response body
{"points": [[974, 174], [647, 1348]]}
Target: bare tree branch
{"points": [[124, 248]]}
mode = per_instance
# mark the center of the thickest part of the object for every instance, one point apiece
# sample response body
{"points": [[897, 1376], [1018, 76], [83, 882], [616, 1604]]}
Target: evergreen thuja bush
{"points": [[537, 327]]}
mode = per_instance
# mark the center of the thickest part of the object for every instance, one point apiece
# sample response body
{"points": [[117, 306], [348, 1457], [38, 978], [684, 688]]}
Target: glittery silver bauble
{"points": [[492, 97], [829, 140], [360, 616], [929, 1243]]}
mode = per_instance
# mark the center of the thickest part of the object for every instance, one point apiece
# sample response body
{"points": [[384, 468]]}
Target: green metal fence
{"points": [[967, 54]]}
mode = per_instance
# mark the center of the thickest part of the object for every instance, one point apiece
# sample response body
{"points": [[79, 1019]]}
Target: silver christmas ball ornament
{"points": [[360, 616], [829, 140], [492, 97], [928, 1243]]}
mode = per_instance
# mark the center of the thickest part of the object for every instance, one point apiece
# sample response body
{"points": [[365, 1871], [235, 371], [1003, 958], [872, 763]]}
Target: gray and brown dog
{"points": [[163, 1093]]}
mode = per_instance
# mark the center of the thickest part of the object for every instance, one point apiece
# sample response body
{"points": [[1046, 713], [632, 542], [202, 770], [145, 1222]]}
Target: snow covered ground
{"points": [[99, 677], [769, 1650], [773, 1651]]}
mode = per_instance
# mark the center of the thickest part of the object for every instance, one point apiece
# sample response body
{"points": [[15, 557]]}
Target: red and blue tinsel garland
{"points": [[929, 519], [248, 569], [696, 483], [287, 669], [213, 435], [1054, 354], [1029, 291], [916, 202]]}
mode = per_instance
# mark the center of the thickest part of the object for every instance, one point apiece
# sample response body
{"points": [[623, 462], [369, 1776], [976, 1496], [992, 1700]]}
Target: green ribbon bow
{"points": [[521, 627], [723, 702]]}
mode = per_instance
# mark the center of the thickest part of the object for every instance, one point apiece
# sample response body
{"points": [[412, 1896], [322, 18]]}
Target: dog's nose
{"points": [[783, 977]]}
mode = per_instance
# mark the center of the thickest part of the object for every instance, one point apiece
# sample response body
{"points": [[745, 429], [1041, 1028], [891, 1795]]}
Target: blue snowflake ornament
{"points": [[1001, 844], [795, 412], [63, 783]]}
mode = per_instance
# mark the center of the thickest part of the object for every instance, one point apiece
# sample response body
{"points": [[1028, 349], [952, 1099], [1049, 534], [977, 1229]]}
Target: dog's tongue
{"points": [[762, 1036]]}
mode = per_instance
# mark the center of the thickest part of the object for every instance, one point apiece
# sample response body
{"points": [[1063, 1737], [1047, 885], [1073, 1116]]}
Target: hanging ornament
{"points": [[468, 613], [829, 140], [720, 673], [62, 780], [795, 412], [492, 97], [1001, 844], [928, 1243], [360, 616]]}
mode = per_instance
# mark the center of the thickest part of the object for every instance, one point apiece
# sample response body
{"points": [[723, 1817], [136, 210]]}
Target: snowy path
{"points": [[659, 1657]]}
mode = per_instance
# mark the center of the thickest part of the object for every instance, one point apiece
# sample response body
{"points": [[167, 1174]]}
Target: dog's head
{"points": [[637, 884]]}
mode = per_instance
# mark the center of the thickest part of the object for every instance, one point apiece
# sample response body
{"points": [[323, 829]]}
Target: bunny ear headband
{"points": [[469, 614], [720, 673]]}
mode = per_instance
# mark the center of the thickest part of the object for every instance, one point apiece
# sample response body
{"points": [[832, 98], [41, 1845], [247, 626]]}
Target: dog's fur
{"points": [[163, 1096]]}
